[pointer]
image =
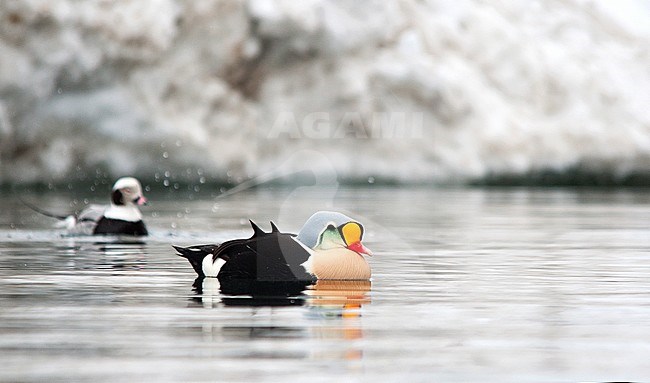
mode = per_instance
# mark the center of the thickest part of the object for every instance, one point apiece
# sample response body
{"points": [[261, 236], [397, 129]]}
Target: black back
{"points": [[271, 257], [117, 226], [264, 257]]}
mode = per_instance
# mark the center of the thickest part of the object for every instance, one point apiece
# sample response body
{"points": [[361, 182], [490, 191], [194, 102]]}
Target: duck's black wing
{"points": [[265, 257], [269, 257]]}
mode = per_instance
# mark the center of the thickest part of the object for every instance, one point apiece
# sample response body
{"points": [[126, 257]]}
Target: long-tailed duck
{"points": [[121, 217]]}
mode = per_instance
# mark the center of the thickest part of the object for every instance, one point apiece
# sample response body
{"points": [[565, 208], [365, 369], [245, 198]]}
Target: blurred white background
{"points": [[406, 91]]}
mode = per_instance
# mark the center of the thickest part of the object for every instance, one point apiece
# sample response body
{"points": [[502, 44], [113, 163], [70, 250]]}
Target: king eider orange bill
{"points": [[352, 232]]}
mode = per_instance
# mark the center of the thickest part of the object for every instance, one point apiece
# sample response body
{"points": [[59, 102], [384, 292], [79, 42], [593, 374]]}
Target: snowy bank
{"points": [[409, 91]]}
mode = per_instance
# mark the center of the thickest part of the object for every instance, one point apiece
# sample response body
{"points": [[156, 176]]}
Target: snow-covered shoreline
{"points": [[405, 91]]}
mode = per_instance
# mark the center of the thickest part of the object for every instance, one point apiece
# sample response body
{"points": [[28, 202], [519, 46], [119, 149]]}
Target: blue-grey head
{"points": [[314, 226]]}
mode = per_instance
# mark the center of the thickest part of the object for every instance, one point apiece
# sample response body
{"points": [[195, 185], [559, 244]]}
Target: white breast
{"points": [[125, 213]]}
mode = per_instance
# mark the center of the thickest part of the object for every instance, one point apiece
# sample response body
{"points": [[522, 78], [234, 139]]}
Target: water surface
{"points": [[503, 285]]}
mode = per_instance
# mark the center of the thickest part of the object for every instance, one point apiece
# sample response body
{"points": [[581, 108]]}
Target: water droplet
{"points": [[179, 143], [179, 215], [371, 180], [202, 180], [92, 188], [59, 91], [147, 188], [166, 182], [165, 155], [167, 173], [197, 188], [174, 225], [176, 186]]}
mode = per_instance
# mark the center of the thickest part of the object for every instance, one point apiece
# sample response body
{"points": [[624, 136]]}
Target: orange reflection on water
{"points": [[339, 303], [348, 295]]}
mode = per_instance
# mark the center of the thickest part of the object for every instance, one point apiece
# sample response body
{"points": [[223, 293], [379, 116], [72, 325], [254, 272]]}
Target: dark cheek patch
{"points": [[117, 197]]}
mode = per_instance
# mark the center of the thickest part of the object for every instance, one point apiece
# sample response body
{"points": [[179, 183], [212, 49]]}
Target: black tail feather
{"points": [[43, 212], [256, 229], [195, 255]]}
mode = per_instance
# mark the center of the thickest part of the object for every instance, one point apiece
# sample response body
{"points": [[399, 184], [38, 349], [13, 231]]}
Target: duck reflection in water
{"points": [[331, 312], [339, 298], [123, 254], [326, 298], [248, 292], [117, 253], [336, 305]]}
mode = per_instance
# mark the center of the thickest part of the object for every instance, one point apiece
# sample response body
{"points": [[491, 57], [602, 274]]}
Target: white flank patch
{"points": [[307, 264], [68, 223], [211, 269]]}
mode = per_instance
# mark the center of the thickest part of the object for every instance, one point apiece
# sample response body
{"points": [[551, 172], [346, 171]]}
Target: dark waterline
{"points": [[503, 285]]}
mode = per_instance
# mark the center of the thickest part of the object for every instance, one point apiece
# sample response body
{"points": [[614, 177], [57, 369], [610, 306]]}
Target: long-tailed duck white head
{"points": [[123, 215]]}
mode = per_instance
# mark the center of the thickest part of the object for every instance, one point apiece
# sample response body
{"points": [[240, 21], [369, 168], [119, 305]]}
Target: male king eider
{"points": [[121, 217], [281, 257]]}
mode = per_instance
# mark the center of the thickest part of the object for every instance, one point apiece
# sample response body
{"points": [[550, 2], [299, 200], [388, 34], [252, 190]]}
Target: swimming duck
{"points": [[121, 217], [276, 256]]}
